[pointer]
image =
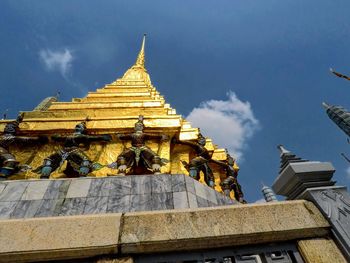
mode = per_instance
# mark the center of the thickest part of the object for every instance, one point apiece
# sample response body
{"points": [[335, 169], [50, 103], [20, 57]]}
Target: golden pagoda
{"points": [[114, 109], [158, 218]]}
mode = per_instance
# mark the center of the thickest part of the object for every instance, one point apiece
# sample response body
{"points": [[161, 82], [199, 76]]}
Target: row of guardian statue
{"points": [[138, 155]]}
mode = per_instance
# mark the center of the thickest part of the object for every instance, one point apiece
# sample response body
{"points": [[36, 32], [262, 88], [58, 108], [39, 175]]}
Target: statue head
{"points": [[201, 139], [229, 159], [80, 128], [139, 124], [12, 127]]}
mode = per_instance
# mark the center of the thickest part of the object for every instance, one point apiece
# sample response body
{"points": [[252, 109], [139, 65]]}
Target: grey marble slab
{"points": [[178, 183], [13, 191], [201, 189], [120, 186], [180, 200], [201, 202], [6, 208], [162, 201], [229, 201], [35, 190], [192, 200], [2, 186], [210, 195], [79, 187], [99, 187], [141, 184], [73, 206], [190, 184], [57, 189], [96, 205], [161, 183], [220, 198], [49, 207], [119, 204], [141, 202], [26, 208]]}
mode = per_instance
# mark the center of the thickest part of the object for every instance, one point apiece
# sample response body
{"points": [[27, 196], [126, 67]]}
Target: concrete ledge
{"points": [[69, 237], [146, 232], [58, 237]]}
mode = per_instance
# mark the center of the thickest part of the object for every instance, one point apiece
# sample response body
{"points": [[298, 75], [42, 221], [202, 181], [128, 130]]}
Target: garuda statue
{"points": [[231, 183], [200, 162], [139, 157], [8, 163], [78, 164]]}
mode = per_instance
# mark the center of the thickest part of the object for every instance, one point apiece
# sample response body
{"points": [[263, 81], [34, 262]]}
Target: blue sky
{"points": [[272, 55]]}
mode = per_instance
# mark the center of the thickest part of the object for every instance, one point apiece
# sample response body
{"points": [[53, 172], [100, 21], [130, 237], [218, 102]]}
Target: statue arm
{"points": [[91, 138], [221, 163], [24, 139], [58, 138], [122, 136], [188, 143], [162, 137]]}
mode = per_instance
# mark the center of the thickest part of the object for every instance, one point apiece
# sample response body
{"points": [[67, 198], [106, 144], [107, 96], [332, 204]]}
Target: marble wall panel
{"points": [[190, 184], [192, 200], [141, 184], [6, 209], [57, 189], [26, 208], [79, 187], [201, 202], [119, 204], [201, 190], [96, 205], [73, 206], [178, 183], [141, 202], [162, 201], [161, 183], [2, 186], [120, 186], [35, 190], [13, 191], [180, 200], [99, 187], [49, 207]]}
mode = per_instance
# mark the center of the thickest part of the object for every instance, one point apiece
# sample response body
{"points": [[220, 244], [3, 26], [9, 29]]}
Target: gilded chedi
{"points": [[108, 118]]}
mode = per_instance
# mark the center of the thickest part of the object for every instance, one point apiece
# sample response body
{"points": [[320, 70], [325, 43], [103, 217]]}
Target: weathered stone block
{"points": [[320, 250], [221, 226], [58, 237]]}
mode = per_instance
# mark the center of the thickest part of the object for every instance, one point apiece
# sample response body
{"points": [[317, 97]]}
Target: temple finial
{"points": [[326, 105], [140, 61], [288, 157], [282, 149]]}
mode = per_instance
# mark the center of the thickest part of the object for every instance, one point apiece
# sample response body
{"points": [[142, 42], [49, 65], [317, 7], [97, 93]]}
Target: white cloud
{"points": [[230, 123], [59, 60]]}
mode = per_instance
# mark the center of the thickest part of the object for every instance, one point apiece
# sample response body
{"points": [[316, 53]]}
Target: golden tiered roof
{"points": [[113, 109]]}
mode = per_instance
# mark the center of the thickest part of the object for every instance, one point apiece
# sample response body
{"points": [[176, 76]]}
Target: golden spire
{"points": [[140, 61]]}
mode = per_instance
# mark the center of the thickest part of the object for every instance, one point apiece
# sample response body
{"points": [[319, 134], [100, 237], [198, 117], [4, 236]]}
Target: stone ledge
{"points": [[24, 240], [68, 237], [146, 232]]}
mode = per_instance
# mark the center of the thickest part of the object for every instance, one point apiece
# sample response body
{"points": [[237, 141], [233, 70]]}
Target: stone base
{"points": [[84, 236]]}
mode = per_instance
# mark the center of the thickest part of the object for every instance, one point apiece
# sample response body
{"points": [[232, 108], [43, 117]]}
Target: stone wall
{"points": [[96, 195]]}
